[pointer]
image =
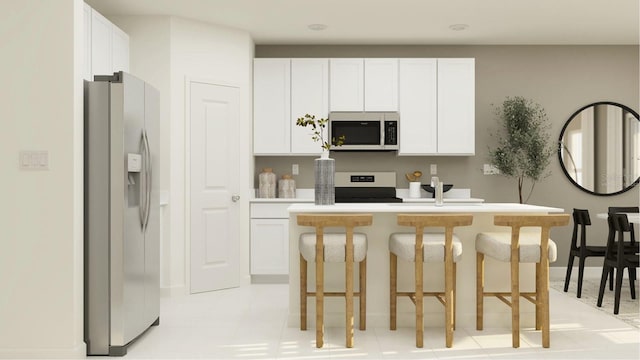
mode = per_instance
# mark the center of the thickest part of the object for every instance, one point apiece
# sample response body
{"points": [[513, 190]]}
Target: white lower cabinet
{"points": [[269, 239]]}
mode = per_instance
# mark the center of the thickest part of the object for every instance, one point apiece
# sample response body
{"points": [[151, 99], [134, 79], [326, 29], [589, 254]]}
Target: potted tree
{"points": [[523, 150]]}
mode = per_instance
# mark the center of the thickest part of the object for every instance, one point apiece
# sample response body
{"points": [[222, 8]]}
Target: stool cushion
{"points": [[498, 246], [403, 245], [334, 247]]}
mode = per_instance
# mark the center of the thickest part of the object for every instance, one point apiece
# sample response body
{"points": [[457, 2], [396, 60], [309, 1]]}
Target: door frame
{"points": [[187, 179]]}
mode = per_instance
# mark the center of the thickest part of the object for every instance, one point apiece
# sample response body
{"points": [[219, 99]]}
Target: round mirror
{"points": [[599, 148]]}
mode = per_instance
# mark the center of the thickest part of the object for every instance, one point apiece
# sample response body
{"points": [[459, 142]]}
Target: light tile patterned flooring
{"points": [[250, 323]]}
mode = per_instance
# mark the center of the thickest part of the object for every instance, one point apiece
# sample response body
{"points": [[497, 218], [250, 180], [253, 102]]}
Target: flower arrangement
{"points": [[317, 126]]}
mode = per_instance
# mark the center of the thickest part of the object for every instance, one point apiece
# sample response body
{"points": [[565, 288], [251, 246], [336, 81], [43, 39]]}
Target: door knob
{"points": [[235, 198]]}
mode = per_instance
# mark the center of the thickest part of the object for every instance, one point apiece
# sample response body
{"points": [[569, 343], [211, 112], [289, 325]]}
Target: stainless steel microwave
{"points": [[365, 131]]}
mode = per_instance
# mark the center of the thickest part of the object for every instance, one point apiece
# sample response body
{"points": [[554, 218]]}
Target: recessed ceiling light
{"points": [[317, 27], [458, 27]]}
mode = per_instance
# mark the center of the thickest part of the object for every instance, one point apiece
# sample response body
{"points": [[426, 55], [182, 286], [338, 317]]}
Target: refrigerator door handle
{"points": [[148, 177], [143, 185]]}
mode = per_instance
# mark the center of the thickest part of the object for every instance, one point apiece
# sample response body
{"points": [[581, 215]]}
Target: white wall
{"points": [[41, 211], [222, 56], [167, 51]]}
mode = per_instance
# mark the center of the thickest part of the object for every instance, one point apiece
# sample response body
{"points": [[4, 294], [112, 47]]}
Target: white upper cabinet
{"points": [[101, 61], [456, 106], [363, 85], [309, 95], [381, 84], [437, 107], [346, 84], [271, 106], [418, 106], [106, 45], [87, 41], [119, 50]]}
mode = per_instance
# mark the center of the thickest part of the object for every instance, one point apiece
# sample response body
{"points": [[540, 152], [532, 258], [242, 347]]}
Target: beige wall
{"points": [[41, 212], [560, 78]]}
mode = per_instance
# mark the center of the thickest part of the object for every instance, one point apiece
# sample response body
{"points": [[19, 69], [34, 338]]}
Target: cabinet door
{"points": [[456, 106], [271, 106], [418, 107], [346, 84], [101, 62], [309, 95], [269, 246], [120, 50], [381, 84], [86, 18]]}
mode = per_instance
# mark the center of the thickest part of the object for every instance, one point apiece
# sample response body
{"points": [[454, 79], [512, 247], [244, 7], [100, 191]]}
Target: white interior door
{"points": [[215, 223]]}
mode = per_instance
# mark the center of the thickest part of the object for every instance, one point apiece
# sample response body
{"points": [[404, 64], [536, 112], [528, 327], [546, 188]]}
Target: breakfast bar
{"points": [[385, 223]]}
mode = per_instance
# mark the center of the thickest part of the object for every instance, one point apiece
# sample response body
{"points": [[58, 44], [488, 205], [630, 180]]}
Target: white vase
{"points": [[324, 171]]}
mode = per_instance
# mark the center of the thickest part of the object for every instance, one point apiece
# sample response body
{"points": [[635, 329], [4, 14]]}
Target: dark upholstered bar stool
{"points": [[420, 247], [516, 247], [348, 247]]}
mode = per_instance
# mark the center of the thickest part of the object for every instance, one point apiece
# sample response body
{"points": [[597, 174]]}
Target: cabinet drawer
{"points": [[270, 211]]}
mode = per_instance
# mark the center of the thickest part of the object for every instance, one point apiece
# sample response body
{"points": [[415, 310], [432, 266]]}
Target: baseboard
{"points": [[269, 279], [173, 291], [590, 272], [79, 352]]}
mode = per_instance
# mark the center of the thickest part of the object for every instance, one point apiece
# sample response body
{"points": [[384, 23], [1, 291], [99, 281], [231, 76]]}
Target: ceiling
{"points": [[504, 22]]}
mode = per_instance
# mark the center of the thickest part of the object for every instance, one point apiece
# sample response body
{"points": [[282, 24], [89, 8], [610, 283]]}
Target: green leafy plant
{"points": [[317, 126], [523, 150]]}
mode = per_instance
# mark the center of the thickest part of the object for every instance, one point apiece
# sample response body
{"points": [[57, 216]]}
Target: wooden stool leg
{"points": [[448, 295], [455, 285], [393, 287], [538, 298], [479, 290], [303, 293], [319, 299], [363, 294], [515, 298], [544, 300], [349, 289], [419, 295]]}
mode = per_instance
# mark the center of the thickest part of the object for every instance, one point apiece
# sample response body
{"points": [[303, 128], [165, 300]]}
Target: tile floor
{"points": [[250, 323]]}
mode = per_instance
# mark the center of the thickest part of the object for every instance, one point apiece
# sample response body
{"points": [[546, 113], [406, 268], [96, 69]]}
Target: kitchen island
{"points": [[385, 223]]}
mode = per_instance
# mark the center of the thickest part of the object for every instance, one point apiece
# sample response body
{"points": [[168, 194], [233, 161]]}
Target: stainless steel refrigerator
{"points": [[122, 223]]}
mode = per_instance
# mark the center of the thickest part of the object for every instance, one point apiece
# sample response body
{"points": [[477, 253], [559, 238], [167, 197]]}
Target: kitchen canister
{"points": [[286, 187], [267, 184], [414, 189]]}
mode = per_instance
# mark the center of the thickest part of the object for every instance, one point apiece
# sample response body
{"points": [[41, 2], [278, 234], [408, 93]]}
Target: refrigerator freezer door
{"points": [[127, 239], [152, 233]]}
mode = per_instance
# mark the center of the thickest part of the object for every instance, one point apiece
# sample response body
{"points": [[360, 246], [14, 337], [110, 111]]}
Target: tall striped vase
{"points": [[325, 189]]}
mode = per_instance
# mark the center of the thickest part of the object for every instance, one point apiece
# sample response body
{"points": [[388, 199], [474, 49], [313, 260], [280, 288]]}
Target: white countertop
{"points": [[448, 207], [631, 217]]}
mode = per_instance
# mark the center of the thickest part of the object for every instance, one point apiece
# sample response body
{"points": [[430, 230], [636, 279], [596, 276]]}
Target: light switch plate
{"points": [[34, 160], [489, 169]]}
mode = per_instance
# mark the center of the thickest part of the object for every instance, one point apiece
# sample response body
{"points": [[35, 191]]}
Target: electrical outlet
{"points": [[294, 169], [489, 169], [34, 160], [434, 169]]}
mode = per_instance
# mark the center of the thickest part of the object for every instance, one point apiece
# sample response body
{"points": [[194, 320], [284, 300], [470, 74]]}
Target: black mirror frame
{"points": [[564, 170]]}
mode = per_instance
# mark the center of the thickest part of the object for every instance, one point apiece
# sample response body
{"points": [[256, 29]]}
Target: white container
{"points": [[414, 189], [286, 187], [267, 184]]}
